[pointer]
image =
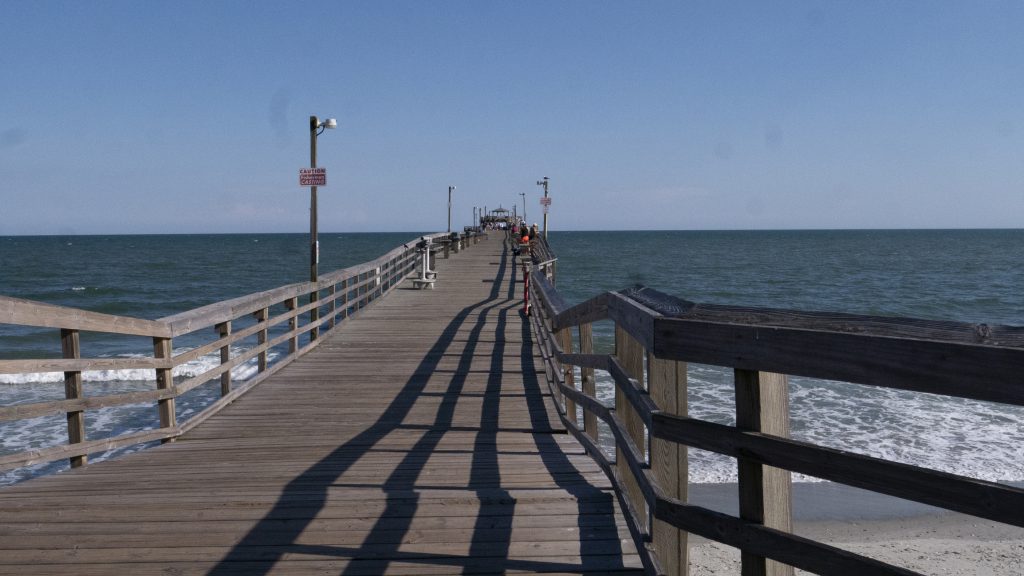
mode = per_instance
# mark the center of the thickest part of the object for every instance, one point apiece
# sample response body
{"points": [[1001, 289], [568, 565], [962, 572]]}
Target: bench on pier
{"points": [[421, 283]]}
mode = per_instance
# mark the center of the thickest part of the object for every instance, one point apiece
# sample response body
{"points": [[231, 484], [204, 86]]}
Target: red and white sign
{"points": [[545, 201], [312, 176]]}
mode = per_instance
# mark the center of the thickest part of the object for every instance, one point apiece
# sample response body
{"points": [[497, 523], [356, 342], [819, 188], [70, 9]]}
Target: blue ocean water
{"points": [[964, 275]]}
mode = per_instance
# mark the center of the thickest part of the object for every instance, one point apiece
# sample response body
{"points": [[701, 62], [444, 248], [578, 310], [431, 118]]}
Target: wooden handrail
{"points": [[974, 361], [37, 314], [341, 293]]}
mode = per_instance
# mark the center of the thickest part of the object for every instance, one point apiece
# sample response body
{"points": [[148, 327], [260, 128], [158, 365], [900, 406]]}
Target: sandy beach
{"points": [[909, 535]]}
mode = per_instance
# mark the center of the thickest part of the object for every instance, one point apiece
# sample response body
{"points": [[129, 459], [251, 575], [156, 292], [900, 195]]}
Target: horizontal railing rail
{"points": [[656, 335], [275, 318]]}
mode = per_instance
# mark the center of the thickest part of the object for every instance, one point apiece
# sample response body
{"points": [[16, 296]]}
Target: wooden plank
{"points": [[787, 548], [989, 500], [213, 314], [43, 455], [878, 326], [79, 365], [36, 409], [593, 310], [963, 370], [29, 313]]}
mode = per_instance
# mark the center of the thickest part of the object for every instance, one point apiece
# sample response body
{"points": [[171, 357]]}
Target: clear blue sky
{"points": [[181, 117]]}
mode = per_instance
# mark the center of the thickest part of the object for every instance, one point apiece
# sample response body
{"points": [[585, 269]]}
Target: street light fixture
{"points": [[523, 194], [450, 188], [316, 127]]}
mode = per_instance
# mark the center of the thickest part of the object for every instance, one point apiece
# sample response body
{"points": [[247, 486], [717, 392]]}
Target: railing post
{"points": [[164, 381], [332, 291], [70, 347], [526, 288], [293, 325], [667, 386], [344, 298], [588, 381], [762, 405], [631, 355], [361, 291], [568, 375], [261, 339], [224, 330], [314, 313]]}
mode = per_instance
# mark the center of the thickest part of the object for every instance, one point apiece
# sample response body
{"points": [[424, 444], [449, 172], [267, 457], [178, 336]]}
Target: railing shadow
{"points": [[278, 532]]}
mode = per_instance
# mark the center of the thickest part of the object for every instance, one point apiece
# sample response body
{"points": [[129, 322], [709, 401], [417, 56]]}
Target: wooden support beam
{"points": [[261, 338], [568, 375], [631, 355], [762, 405], [588, 382], [667, 385], [71, 348], [293, 324], [334, 305], [224, 329], [165, 380]]}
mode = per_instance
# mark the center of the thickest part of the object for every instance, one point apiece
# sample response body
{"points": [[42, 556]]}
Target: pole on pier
{"points": [[543, 183], [450, 188], [316, 127]]}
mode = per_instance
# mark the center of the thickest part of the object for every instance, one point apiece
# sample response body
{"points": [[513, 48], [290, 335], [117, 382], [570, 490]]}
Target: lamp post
{"points": [[544, 183], [523, 194], [316, 127], [450, 188], [474, 216]]}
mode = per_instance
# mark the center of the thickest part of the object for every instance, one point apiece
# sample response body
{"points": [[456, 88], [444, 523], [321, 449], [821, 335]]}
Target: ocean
{"points": [[963, 275]]}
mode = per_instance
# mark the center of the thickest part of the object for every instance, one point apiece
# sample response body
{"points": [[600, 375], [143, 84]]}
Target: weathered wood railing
{"points": [[337, 295], [656, 335]]}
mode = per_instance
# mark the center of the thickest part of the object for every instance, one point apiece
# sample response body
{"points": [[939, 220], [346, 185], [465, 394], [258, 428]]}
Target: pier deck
{"points": [[419, 438]]}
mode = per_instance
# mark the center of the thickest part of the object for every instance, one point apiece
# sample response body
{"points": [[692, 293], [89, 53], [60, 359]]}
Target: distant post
{"points": [[450, 188], [545, 202], [316, 127]]}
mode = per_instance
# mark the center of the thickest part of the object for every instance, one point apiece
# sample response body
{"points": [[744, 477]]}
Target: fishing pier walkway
{"points": [[387, 429], [415, 439]]}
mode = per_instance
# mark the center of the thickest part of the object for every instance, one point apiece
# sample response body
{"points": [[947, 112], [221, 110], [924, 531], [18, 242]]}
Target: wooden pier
{"points": [[417, 438], [406, 431]]}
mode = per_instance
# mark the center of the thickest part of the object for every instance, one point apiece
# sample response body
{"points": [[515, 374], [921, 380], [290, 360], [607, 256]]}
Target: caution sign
{"points": [[312, 176]]}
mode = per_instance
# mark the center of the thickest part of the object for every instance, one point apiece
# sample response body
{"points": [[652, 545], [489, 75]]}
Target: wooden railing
{"points": [[656, 335], [273, 318]]}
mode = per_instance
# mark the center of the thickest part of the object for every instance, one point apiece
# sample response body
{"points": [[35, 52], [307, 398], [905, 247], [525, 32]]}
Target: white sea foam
{"points": [[965, 437], [47, 431]]}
